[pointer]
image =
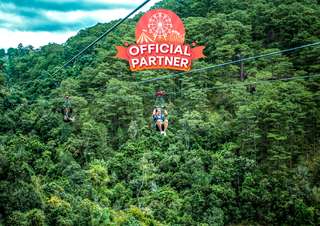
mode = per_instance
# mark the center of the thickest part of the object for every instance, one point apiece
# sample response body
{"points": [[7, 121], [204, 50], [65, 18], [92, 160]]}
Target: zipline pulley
{"points": [[160, 103]]}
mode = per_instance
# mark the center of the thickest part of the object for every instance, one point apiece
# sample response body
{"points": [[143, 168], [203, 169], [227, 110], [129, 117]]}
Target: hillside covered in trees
{"points": [[235, 154]]}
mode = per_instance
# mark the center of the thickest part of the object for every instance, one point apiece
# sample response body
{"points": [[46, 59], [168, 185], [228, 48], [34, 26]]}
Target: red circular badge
{"points": [[160, 26]]}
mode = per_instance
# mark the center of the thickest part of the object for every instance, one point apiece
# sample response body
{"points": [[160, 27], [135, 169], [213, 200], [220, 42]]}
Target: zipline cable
{"points": [[238, 84], [100, 37], [246, 83], [223, 64], [217, 65], [213, 88], [262, 81], [229, 63]]}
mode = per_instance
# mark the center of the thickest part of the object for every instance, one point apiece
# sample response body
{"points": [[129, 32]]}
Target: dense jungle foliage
{"points": [[231, 157]]}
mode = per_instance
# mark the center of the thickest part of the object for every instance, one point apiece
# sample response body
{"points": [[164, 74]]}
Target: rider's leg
{"points": [[159, 124], [65, 116], [66, 112], [166, 124]]}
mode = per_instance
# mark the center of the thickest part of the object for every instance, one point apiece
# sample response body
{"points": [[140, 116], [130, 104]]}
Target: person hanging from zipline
{"points": [[159, 114], [161, 120], [67, 110]]}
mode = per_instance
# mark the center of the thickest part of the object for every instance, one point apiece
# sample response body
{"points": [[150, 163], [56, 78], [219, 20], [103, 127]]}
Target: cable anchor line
{"points": [[229, 63], [100, 37]]}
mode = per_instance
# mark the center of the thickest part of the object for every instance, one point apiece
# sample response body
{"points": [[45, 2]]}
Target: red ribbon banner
{"points": [[158, 56]]}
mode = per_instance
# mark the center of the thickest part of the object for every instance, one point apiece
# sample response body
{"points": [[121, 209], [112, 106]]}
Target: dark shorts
{"points": [[157, 128]]}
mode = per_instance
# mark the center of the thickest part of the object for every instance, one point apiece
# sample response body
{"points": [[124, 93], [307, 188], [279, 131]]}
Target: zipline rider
{"points": [[161, 120]]}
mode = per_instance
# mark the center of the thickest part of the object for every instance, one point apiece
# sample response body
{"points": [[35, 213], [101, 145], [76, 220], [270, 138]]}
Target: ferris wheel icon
{"points": [[160, 25]]}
